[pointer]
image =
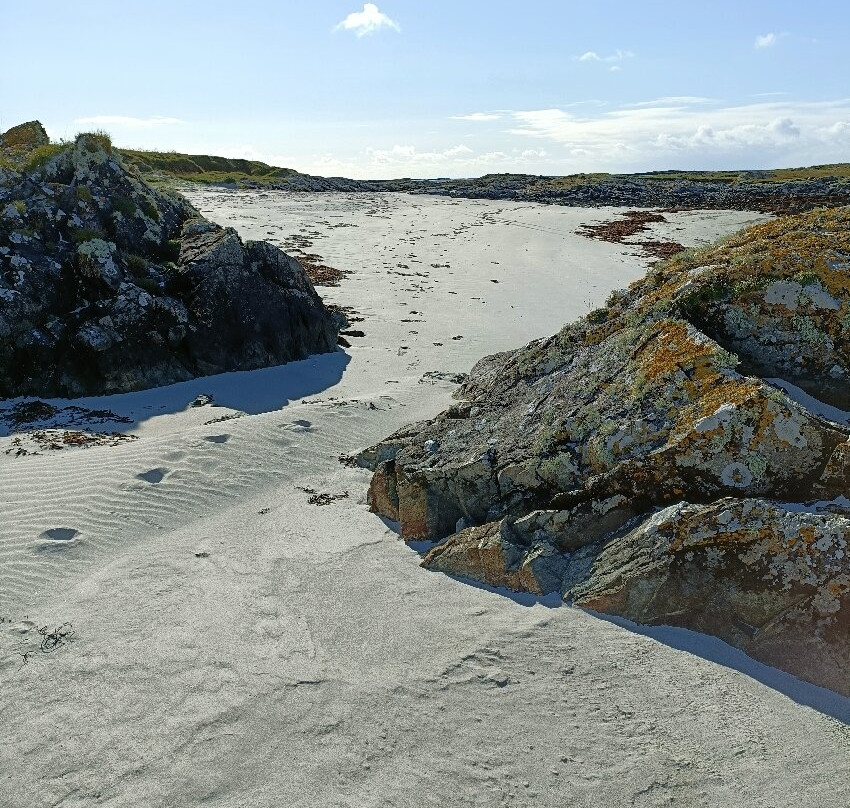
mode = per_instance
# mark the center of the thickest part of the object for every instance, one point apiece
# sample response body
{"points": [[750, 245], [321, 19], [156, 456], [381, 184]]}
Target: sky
{"points": [[441, 88]]}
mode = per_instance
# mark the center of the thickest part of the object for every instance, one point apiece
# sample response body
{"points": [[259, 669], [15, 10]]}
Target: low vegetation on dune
{"points": [[204, 168]]}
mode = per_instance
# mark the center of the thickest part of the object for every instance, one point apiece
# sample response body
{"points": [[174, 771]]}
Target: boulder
{"points": [[108, 284], [769, 579], [716, 379], [23, 139]]}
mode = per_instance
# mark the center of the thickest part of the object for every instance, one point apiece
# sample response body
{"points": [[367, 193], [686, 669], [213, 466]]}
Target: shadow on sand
{"points": [[715, 650], [705, 646], [250, 391]]}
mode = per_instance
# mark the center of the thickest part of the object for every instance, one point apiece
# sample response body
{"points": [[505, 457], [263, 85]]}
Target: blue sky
{"points": [[438, 87]]}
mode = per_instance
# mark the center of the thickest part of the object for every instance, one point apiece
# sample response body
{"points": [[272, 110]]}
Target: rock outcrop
{"points": [[22, 140], [108, 285], [638, 461]]}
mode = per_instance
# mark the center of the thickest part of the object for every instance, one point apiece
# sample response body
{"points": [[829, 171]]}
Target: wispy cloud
{"points": [[593, 56], [127, 122], [533, 154], [478, 116], [368, 21], [766, 40], [408, 160], [673, 101]]}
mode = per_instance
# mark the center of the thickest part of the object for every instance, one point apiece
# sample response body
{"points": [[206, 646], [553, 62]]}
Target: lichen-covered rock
{"points": [[772, 581], [660, 398], [492, 553], [22, 139], [107, 284]]}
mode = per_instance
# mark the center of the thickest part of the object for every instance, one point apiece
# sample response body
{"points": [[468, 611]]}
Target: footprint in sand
{"points": [[154, 476], [60, 534], [23, 627], [58, 538], [218, 438]]}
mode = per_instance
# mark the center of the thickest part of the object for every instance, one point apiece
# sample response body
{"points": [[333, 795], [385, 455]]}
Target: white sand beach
{"points": [[235, 645]]}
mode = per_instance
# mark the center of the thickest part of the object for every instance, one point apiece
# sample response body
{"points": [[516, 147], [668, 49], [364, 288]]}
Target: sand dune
{"points": [[246, 633]]}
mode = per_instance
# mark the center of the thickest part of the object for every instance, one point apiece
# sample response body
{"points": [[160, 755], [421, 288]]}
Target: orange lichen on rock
{"points": [[676, 392]]}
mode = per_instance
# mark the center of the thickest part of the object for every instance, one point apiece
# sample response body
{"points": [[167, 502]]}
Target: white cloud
{"points": [[246, 151], [127, 122], [368, 21], [408, 155], [686, 132], [766, 40], [593, 56], [478, 116], [697, 133], [839, 130], [408, 161]]}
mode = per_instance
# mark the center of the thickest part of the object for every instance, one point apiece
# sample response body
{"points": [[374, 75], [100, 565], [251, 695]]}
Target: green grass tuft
{"points": [[96, 139], [124, 206], [84, 234], [40, 156]]}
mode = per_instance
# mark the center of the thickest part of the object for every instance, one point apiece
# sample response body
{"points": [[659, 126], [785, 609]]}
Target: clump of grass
{"points": [[807, 278], [149, 285], [137, 265], [84, 234], [170, 251], [150, 210], [40, 156], [96, 139], [84, 193], [124, 206], [20, 206]]}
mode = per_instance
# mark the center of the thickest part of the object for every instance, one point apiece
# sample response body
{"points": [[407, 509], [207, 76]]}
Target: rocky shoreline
{"points": [[778, 191], [779, 197], [679, 457], [774, 196]]}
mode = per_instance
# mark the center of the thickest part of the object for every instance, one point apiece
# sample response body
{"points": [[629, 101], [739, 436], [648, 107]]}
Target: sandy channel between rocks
{"points": [[235, 645]]}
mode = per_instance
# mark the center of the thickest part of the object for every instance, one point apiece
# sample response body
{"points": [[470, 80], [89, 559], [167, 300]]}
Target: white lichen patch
{"points": [[788, 428], [736, 475], [719, 419]]}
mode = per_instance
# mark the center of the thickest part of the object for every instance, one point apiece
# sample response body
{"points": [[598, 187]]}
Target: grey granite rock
{"points": [[108, 284]]}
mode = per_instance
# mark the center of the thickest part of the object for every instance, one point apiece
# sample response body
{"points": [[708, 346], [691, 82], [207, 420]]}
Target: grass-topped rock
{"points": [[712, 382], [107, 284], [21, 141]]}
